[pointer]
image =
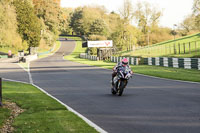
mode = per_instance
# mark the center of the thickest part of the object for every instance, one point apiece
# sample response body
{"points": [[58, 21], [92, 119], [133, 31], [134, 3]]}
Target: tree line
{"points": [[33, 23], [29, 23]]}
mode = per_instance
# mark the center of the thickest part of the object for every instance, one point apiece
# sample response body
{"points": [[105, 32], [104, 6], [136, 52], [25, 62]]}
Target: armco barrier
{"points": [[149, 61], [157, 61], [86, 56], [31, 57], [165, 62], [187, 63], [175, 62]]}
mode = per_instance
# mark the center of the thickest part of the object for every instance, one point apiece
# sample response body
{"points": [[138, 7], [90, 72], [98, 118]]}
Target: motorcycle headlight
{"points": [[128, 76]]}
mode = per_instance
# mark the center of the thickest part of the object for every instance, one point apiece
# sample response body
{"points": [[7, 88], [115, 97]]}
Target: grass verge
{"points": [[44, 53], [42, 113], [163, 72], [4, 114]]}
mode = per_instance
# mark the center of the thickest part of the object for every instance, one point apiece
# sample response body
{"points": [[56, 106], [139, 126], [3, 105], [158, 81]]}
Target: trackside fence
{"points": [[186, 63]]}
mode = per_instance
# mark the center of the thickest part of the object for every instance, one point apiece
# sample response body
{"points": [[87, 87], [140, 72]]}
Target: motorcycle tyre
{"points": [[113, 91], [121, 88]]}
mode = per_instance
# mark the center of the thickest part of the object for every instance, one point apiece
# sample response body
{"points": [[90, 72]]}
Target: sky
{"points": [[174, 11]]}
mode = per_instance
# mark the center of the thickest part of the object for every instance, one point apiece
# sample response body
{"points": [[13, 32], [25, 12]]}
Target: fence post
{"points": [[184, 47], [174, 48], [196, 47], [179, 47], [0, 91], [189, 48]]}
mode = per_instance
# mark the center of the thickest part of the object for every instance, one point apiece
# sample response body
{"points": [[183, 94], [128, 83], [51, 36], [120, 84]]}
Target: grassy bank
{"points": [[164, 72], [188, 46], [42, 113]]}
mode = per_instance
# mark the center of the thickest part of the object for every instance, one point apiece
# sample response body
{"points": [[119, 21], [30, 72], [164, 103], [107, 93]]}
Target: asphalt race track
{"points": [[10, 70], [148, 105]]}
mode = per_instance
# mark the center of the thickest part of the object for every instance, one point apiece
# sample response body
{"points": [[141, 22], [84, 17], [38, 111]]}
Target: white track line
{"points": [[22, 67], [29, 74], [15, 81]]}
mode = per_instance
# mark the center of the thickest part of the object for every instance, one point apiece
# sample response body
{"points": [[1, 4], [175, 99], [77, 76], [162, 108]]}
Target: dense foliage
{"points": [[29, 26], [27, 23], [9, 36]]}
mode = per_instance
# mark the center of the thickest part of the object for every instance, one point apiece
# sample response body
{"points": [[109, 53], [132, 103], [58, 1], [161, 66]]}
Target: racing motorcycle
{"points": [[120, 80]]}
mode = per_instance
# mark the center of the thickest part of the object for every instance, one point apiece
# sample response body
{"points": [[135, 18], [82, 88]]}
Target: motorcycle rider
{"points": [[123, 63]]}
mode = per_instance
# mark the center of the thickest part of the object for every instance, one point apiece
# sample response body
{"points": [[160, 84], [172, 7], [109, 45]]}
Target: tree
{"points": [[48, 13], [188, 25], [83, 17], [147, 17], [9, 36], [76, 21], [124, 35], [196, 7], [64, 20], [28, 24], [98, 27], [196, 13], [126, 11]]}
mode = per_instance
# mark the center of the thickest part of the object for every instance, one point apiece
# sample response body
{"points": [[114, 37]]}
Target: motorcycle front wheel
{"points": [[121, 88], [113, 91]]}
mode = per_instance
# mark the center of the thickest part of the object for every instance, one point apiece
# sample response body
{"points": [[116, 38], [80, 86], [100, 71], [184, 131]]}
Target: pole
{"points": [[196, 47], [0, 91], [184, 47], [189, 48]]}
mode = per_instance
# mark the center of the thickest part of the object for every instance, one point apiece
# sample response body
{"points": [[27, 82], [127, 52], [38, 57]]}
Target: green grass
{"points": [[171, 48], [46, 53], [6, 49], [42, 113], [158, 71], [78, 49], [168, 72]]}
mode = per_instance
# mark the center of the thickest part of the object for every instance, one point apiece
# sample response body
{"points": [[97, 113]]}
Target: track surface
{"points": [[148, 105], [9, 69]]}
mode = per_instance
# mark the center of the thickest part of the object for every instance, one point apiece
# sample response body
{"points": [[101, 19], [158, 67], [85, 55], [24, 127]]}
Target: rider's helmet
{"points": [[124, 61]]}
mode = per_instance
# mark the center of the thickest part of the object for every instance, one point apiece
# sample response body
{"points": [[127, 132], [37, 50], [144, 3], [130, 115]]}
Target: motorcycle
{"points": [[120, 80]]}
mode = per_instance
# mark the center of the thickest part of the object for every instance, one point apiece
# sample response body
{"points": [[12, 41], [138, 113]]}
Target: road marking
{"points": [[15, 81], [22, 67], [29, 74]]}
